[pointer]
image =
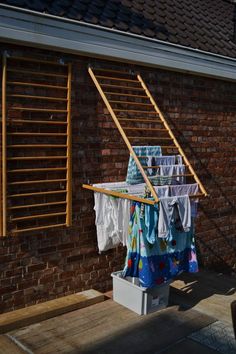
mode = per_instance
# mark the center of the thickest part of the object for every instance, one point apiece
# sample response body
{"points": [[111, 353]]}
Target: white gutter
{"points": [[41, 30]]}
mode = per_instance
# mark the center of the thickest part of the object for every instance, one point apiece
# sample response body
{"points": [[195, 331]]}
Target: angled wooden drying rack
{"points": [[36, 145], [129, 101]]}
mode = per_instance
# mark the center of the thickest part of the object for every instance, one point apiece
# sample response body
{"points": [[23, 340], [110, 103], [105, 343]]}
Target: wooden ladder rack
{"points": [[36, 145], [140, 108]]}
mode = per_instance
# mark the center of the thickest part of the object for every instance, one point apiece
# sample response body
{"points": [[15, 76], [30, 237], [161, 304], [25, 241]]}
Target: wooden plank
{"points": [[35, 134], [112, 71], [33, 60], [203, 190], [116, 79], [124, 94], [25, 158], [140, 120], [126, 140], [16, 207], [69, 152], [32, 109], [34, 84], [37, 169], [27, 121], [43, 311], [118, 194], [37, 73], [18, 146], [148, 137], [132, 103], [4, 148], [133, 111], [36, 181], [47, 98], [145, 129], [39, 216], [130, 88], [35, 193], [37, 228]]}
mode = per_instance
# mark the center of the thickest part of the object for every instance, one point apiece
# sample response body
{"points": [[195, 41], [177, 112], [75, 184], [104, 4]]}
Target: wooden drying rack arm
{"points": [[126, 140], [130, 196], [118, 194], [203, 190]]}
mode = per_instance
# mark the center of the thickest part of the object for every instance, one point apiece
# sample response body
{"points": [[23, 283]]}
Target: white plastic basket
{"points": [[128, 292]]}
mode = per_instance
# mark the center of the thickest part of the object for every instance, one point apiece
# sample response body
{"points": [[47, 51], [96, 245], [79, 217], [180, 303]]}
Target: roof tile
{"points": [[206, 25]]}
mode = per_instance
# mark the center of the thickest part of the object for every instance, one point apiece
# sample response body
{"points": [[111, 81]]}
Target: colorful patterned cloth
{"points": [[154, 260], [134, 176]]}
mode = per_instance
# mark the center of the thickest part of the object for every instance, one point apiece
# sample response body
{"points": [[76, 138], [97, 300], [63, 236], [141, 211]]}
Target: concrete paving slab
{"points": [[108, 327], [188, 346], [7, 346]]}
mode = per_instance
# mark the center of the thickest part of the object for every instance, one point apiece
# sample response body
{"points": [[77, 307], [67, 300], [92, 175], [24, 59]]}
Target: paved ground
{"points": [[197, 321]]}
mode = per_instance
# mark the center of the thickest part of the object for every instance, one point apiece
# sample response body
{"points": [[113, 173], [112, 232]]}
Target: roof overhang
{"points": [[41, 30]]}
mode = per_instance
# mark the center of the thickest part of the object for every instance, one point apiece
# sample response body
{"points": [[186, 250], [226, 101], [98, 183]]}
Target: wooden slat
{"points": [[116, 79], [43, 181], [26, 206], [33, 60], [37, 73], [112, 71], [131, 103], [36, 193], [4, 149], [130, 88], [32, 109], [145, 129], [35, 134], [124, 94], [118, 194], [17, 146], [27, 121], [38, 228], [148, 137], [126, 140], [139, 120], [22, 158], [133, 111], [40, 216], [69, 152], [37, 169], [34, 84], [203, 190], [47, 98]]}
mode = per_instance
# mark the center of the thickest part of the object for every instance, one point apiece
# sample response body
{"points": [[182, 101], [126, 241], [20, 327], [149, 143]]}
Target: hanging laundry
{"points": [[112, 221], [188, 189], [154, 260], [168, 209], [168, 174], [133, 174]]}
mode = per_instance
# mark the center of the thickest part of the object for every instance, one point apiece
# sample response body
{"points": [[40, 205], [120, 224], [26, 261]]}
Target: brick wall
{"points": [[41, 266]]}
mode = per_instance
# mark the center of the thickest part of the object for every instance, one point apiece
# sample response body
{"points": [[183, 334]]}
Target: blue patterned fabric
{"points": [[154, 260], [134, 176]]}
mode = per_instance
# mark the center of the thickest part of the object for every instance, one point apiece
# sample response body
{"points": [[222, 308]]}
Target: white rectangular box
{"points": [[128, 292]]}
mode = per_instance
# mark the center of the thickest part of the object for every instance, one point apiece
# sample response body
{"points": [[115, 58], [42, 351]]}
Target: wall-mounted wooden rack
{"points": [[133, 109], [36, 145]]}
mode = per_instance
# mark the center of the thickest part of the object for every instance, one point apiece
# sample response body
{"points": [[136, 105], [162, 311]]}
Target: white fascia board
{"points": [[69, 36]]}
